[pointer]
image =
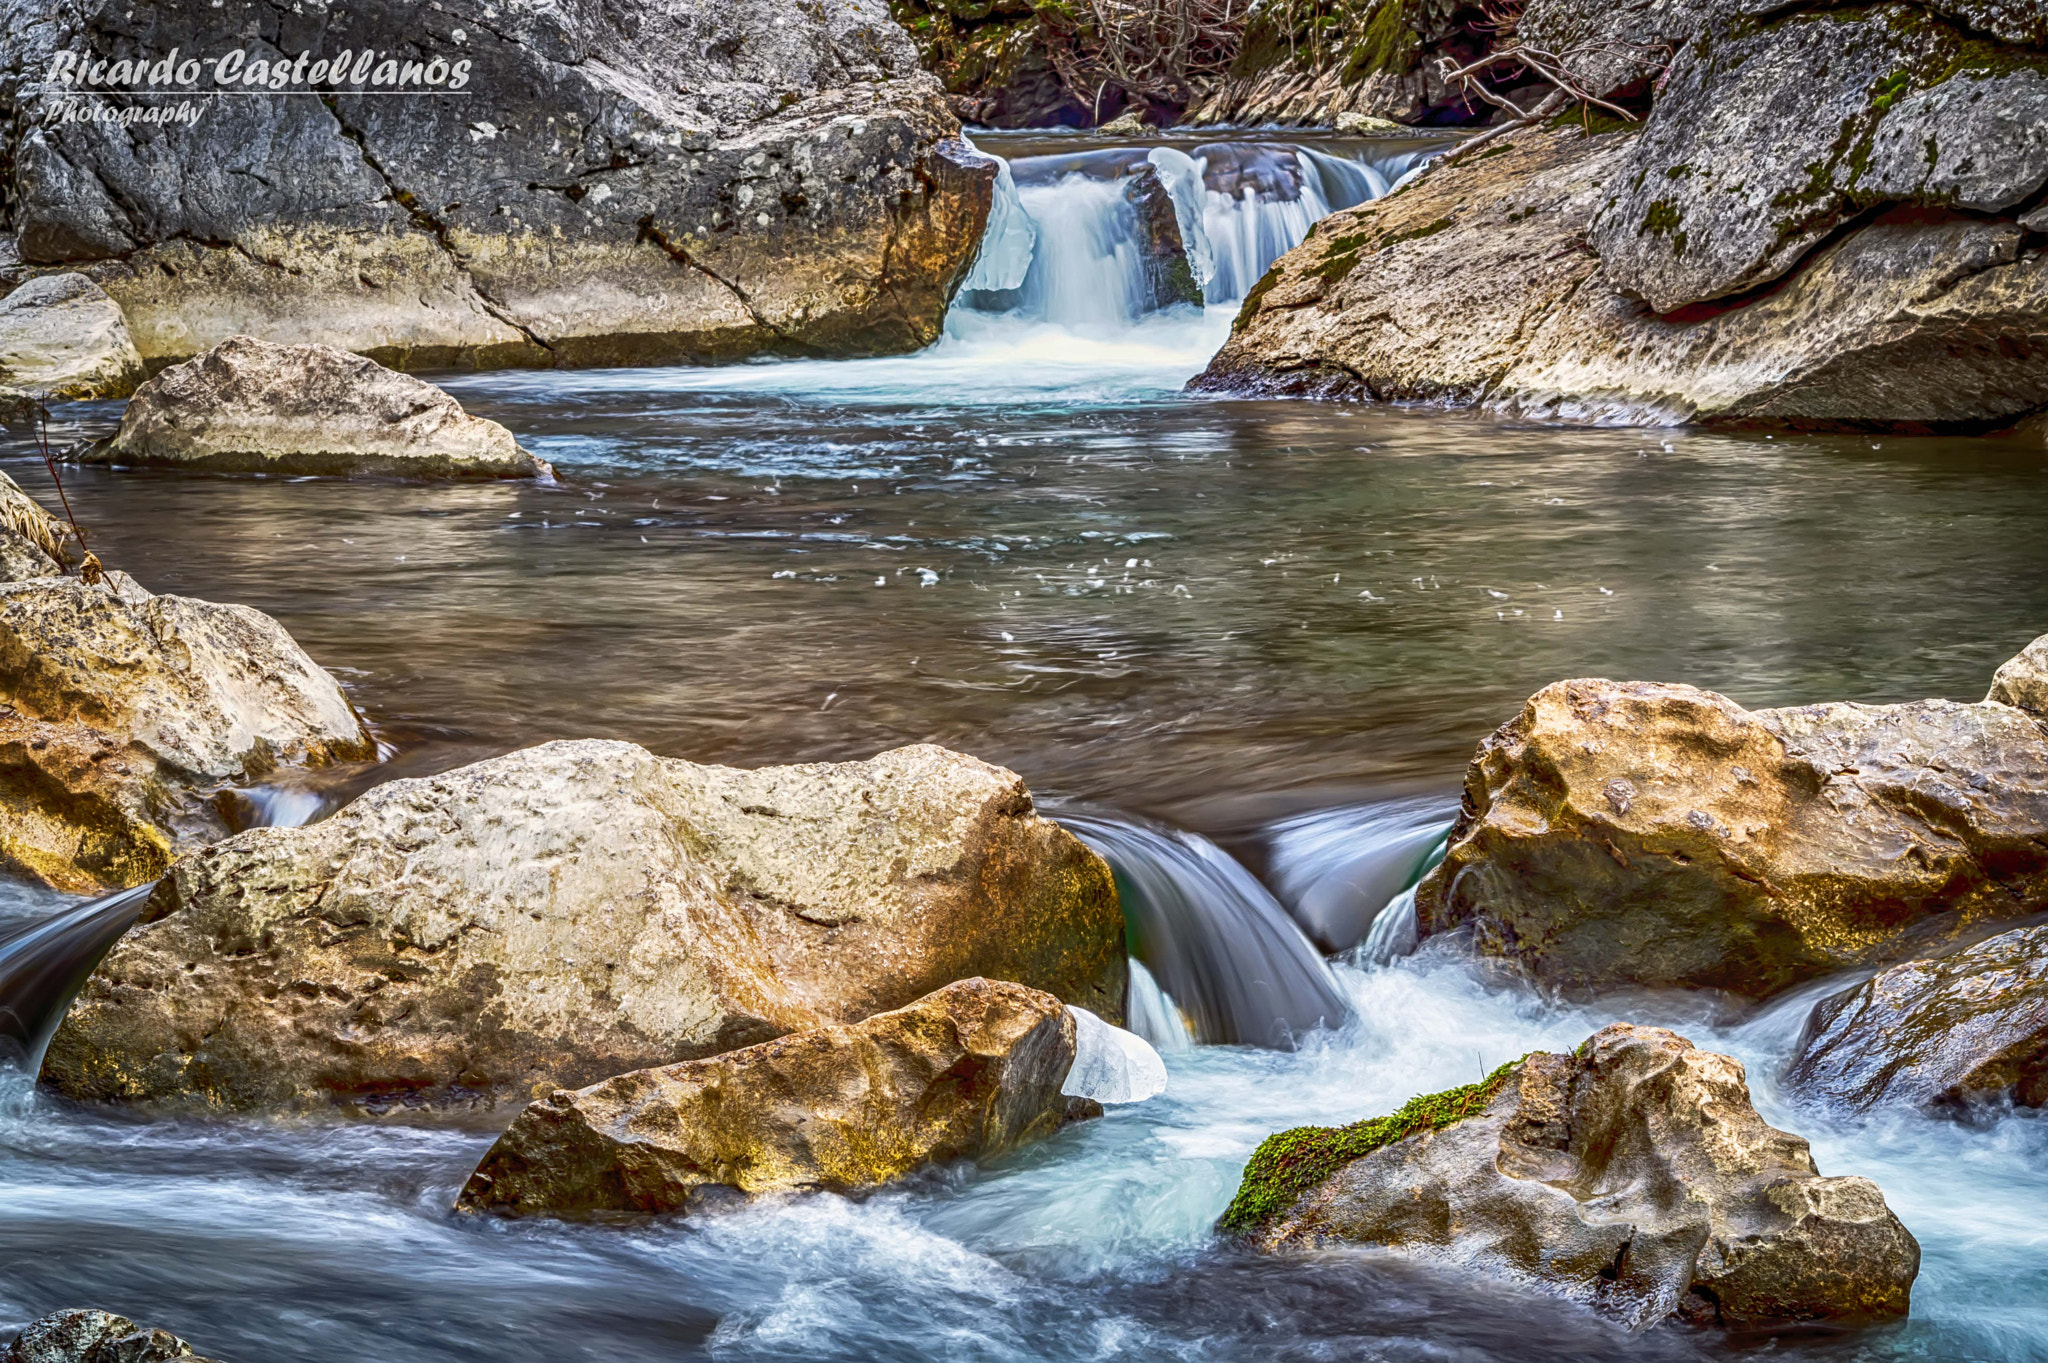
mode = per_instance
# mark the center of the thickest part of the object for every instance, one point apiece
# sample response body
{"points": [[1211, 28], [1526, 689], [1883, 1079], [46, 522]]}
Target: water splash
{"points": [[1213, 938]]}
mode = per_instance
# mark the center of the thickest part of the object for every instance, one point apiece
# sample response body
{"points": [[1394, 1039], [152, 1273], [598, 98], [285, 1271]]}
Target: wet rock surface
{"points": [[248, 406], [573, 911], [615, 183], [1955, 1033], [90, 1336], [1633, 1175], [1169, 278], [62, 339], [125, 712], [1638, 833], [969, 1071]]}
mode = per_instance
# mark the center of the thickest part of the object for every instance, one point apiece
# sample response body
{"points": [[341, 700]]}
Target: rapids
{"points": [[1243, 647]]}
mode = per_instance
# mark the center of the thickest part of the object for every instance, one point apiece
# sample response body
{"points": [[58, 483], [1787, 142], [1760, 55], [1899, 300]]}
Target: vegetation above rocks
{"points": [[1289, 1163]]}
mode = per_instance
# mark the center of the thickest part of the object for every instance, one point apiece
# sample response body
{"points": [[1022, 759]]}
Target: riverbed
{"points": [[1029, 544]]}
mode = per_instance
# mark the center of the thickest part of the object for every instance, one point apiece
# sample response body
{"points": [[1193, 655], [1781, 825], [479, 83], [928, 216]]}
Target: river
{"points": [[1261, 633]]}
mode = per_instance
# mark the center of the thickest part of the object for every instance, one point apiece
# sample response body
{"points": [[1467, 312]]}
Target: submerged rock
{"points": [[89, 1336], [2023, 680], [247, 406], [969, 1071], [1954, 1032], [573, 911], [598, 184], [1632, 1175], [62, 338], [1638, 833], [125, 712]]}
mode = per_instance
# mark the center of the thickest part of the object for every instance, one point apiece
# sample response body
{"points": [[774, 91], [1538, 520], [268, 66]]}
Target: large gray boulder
{"points": [[615, 181], [88, 1336], [248, 406], [1927, 317], [573, 911], [126, 712], [970, 1071], [1632, 1174], [1952, 1033], [1855, 109], [61, 338], [1774, 245], [1646, 834]]}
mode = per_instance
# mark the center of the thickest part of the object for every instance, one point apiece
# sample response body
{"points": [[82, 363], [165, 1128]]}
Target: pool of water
{"points": [[1027, 543]]}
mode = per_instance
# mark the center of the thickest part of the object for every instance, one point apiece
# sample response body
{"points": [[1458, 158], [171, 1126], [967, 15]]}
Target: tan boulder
{"points": [[969, 1071], [1632, 1175], [1638, 833], [2023, 680], [1960, 1030], [63, 339], [124, 712], [248, 406], [83, 1335], [576, 910]]}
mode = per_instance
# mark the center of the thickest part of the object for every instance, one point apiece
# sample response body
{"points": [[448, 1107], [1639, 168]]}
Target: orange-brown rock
{"points": [[1638, 833], [969, 1071], [121, 713]]}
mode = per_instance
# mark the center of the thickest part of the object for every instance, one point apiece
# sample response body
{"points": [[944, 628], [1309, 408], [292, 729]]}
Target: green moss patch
{"points": [[1290, 1163]]}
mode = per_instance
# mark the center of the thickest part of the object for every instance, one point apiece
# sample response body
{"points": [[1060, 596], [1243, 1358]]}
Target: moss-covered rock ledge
{"points": [[1288, 1164], [1632, 1175]]}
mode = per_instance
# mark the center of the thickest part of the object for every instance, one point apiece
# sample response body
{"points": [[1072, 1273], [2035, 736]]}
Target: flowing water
{"points": [[1244, 647]]}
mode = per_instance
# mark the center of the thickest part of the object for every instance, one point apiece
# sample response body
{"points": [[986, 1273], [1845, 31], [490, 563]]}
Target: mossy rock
{"points": [[1290, 1163]]}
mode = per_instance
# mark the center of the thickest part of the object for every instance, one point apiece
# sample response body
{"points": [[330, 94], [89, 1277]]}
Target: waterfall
{"points": [[1216, 948], [1065, 246], [1337, 870], [1007, 242], [44, 964]]}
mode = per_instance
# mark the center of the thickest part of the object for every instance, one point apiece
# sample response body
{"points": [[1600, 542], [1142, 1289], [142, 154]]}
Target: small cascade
{"points": [[44, 964], [1216, 949], [1338, 870], [1066, 246]]}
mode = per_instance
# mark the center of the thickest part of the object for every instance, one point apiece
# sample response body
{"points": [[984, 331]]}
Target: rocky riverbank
{"points": [[1849, 241], [614, 185]]}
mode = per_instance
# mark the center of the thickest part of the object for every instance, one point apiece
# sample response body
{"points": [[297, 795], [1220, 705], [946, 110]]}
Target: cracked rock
{"points": [[797, 153], [573, 911]]}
